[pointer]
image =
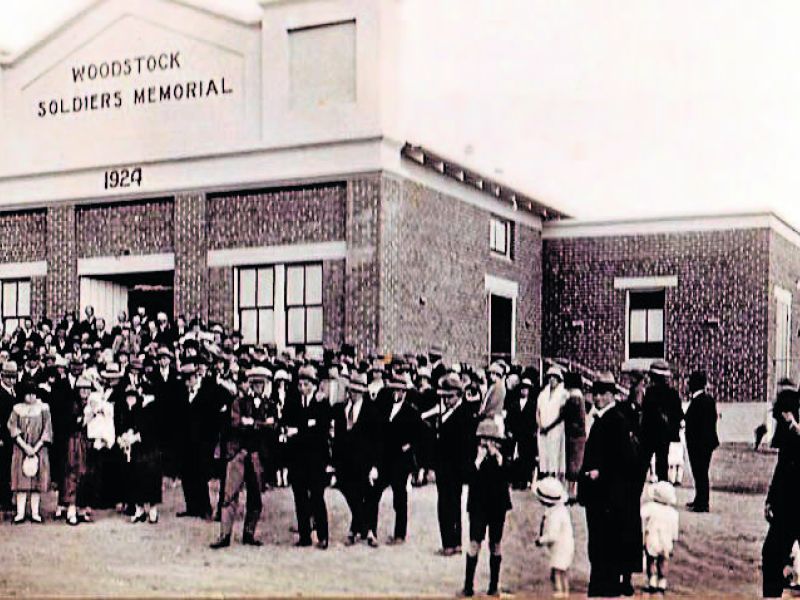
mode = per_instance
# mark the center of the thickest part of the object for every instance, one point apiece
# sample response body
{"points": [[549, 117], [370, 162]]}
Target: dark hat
{"points": [[605, 382], [112, 371], [436, 350], [786, 382], [307, 372], [450, 385], [698, 380], [348, 350], [132, 391], [400, 381], [573, 381]]}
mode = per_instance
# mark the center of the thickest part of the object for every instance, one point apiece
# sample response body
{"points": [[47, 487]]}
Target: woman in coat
{"points": [[136, 424], [31, 428], [76, 490], [552, 460], [574, 415]]}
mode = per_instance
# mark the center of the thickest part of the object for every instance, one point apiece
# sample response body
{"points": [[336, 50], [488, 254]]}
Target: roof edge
{"points": [[455, 171]]}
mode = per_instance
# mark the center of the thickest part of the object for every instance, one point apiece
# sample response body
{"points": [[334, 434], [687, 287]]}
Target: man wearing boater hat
{"points": [[251, 416], [662, 414], [609, 489]]}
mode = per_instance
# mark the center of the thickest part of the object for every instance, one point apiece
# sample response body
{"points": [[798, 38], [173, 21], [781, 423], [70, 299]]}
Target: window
{"points": [[16, 302], [304, 304], [256, 304], [500, 237], [646, 323], [783, 335]]}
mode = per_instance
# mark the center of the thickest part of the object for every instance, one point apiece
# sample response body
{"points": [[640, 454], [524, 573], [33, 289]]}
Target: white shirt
{"points": [[395, 409], [450, 411], [193, 392], [600, 412], [355, 407]]}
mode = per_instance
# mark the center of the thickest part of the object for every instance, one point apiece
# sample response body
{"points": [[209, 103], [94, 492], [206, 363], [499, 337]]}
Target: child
{"points": [[675, 461], [555, 533], [98, 415], [660, 525]]}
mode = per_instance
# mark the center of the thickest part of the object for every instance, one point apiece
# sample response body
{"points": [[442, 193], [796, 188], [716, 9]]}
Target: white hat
{"points": [[282, 375], [555, 371], [550, 491], [663, 493]]}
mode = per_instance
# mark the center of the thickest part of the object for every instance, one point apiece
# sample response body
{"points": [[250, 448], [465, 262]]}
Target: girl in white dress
{"points": [[555, 533]]}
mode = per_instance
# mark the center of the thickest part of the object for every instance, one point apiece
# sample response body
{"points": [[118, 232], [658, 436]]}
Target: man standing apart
{"points": [[609, 490], [661, 417], [701, 437]]}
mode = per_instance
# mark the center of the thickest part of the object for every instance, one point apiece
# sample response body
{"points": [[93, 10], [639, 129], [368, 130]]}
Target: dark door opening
{"points": [[500, 324]]}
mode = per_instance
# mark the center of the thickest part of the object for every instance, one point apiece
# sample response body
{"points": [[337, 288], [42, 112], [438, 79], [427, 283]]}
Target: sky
{"points": [[600, 108]]}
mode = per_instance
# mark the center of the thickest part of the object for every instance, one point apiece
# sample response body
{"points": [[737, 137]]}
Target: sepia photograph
{"points": [[399, 298]]}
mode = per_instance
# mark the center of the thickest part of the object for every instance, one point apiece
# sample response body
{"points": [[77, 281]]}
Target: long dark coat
{"points": [[701, 424], [612, 500], [143, 482]]}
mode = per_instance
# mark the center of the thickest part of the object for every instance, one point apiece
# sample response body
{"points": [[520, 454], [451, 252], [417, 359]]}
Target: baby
{"points": [[98, 414], [555, 533], [660, 524]]}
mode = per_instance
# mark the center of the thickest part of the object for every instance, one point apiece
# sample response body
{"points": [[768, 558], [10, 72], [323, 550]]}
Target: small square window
{"points": [[500, 237], [645, 321]]}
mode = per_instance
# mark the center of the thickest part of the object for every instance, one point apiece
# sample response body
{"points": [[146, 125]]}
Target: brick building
{"points": [[242, 165], [715, 293]]}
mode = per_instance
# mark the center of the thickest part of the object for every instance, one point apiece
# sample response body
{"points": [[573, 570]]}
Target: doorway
{"points": [[501, 322], [111, 294]]}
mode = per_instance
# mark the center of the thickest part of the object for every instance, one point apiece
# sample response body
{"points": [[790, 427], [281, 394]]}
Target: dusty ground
{"points": [[718, 553]]}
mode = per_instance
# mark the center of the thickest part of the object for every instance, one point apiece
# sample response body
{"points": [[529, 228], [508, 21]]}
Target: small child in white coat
{"points": [[555, 533], [660, 523]]}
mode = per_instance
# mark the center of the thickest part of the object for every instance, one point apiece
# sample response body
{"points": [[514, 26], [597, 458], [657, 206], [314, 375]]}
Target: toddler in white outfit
{"points": [[555, 533], [660, 523]]}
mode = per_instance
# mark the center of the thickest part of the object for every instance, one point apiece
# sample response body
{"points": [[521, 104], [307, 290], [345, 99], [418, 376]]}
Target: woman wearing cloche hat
{"points": [[551, 401]]}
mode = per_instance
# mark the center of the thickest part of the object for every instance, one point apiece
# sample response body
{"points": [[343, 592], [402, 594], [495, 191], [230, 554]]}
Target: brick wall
{"points": [[22, 236], [721, 276], [145, 227], [272, 217], [436, 247], [191, 256], [62, 261], [784, 271]]}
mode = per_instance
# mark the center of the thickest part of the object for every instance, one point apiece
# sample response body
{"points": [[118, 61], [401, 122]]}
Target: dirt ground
{"points": [[718, 553]]}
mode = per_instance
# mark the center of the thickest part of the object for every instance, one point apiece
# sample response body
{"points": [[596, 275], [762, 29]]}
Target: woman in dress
{"points": [[76, 490], [551, 425], [136, 424], [31, 428], [574, 415]]}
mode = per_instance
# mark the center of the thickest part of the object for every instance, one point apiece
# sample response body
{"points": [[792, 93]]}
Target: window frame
{"points": [[16, 281], [256, 307], [305, 305], [642, 354], [509, 237]]}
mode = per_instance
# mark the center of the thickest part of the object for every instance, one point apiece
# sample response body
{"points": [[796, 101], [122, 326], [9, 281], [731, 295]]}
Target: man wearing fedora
{"points": [[488, 501], [453, 452], [355, 443], [8, 398], [609, 489], [307, 421], [521, 428], [662, 414], [251, 416], [701, 437], [197, 414], [400, 432]]}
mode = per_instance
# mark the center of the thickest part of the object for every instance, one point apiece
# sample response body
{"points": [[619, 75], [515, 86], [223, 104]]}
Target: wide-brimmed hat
{"points": [[400, 381], [307, 372], [549, 491], [83, 383], [424, 372], [436, 350], [358, 382], [660, 367], [61, 362], [489, 429], [496, 368], [164, 351], [111, 371], [188, 368], [282, 375], [450, 385], [555, 371], [663, 493], [526, 383], [604, 382], [262, 373]]}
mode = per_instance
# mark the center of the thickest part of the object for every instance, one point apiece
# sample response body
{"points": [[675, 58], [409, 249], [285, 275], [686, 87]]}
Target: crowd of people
{"points": [[103, 414]]}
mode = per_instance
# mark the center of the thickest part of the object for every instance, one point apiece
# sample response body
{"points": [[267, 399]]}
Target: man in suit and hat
{"points": [[197, 414], [307, 421], [521, 429], [609, 489], [245, 448], [662, 414], [701, 437], [454, 449], [8, 398], [400, 432], [355, 455], [167, 389]]}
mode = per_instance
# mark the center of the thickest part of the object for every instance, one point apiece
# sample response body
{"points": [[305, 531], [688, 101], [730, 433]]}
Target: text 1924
{"points": [[123, 178]]}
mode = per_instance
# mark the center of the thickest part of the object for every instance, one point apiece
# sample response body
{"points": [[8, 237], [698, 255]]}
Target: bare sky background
{"points": [[602, 108]]}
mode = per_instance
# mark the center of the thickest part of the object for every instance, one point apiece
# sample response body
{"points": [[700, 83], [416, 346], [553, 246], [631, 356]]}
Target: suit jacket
{"points": [[356, 451], [308, 448], [251, 437], [701, 424], [521, 422], [455, 443], [400, 437], [198, 422], [662, 414], [7, 402]]}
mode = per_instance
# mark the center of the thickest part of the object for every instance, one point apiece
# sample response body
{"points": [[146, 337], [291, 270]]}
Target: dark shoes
{"points": [[351, 539], [302, 543], [184, 513], [395, 541], [249, 540], [699, 509], [222, 542], [322, 544], [372, 541]]}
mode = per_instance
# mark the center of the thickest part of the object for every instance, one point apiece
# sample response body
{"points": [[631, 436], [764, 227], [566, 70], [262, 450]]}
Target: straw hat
{"points": [[549, 491]]}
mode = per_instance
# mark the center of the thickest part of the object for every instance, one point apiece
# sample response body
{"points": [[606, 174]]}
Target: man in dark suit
{"points": [[661, 417], [609, 490], [198, 420], [701, 437], [521, 429], [454, 450], [8, 398], [400, 428], [168, 389], [307, 421], [355, 441], [245, 447]]}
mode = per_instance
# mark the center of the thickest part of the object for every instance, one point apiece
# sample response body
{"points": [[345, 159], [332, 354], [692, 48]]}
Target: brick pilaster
{"points": [[61, 287], [191, 255]]}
